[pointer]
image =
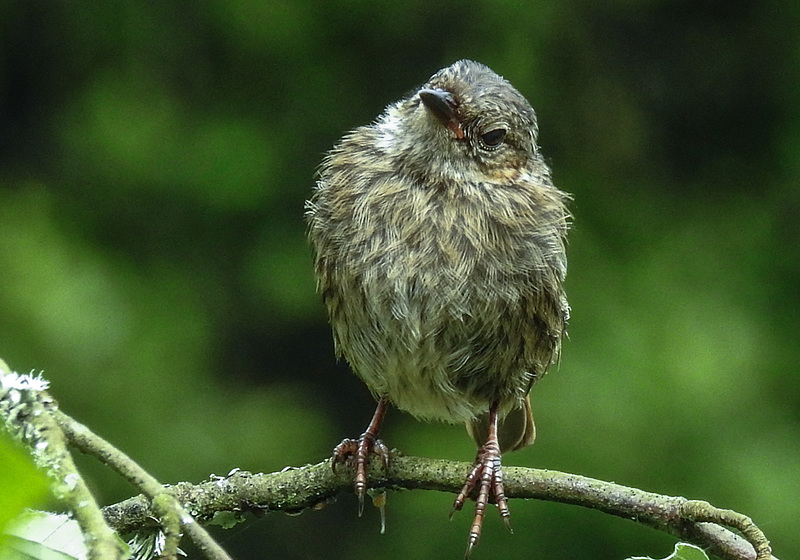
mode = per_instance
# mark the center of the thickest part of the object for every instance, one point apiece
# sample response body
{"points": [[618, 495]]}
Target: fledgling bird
{"points": [[440, 252]]}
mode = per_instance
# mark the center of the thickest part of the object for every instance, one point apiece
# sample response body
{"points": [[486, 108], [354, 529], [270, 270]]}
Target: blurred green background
{"points": [[154, 160]]}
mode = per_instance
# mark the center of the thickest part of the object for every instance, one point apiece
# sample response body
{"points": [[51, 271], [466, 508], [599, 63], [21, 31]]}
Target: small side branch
{"points": [[172, 515], [26, 412], [31, 416]]}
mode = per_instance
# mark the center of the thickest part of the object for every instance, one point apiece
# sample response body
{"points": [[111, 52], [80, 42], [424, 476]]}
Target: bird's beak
{"points": [[442, 105]]}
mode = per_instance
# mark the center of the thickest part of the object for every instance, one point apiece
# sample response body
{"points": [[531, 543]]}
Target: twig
{"points": [[166, 507], [26, 410]]}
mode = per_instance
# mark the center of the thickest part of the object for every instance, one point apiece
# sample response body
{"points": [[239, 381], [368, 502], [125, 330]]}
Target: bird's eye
{"points": [[493, 138]]}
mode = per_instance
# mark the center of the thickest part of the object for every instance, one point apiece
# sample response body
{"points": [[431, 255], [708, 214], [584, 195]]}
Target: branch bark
{"points": [[29, 413], [314, 486]]}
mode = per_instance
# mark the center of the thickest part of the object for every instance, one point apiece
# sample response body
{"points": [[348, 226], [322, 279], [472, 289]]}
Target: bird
{"points": [[439, 244]]}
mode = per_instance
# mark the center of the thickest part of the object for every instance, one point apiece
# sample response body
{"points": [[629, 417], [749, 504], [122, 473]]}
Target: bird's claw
{"points": [[358, 452], [487, 477]]}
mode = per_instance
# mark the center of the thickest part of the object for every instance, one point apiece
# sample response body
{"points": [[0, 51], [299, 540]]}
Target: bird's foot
{"points": [[487, 477], [358, 452]]}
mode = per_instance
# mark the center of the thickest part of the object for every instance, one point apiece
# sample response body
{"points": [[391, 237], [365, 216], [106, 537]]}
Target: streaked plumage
{"points": [[441, 257]]}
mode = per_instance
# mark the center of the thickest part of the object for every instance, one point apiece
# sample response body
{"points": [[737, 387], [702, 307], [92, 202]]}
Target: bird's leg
{"points": [[360, 449], [487, 476]]}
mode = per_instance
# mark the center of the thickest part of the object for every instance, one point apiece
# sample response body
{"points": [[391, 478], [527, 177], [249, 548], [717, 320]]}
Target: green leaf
{"points": [[683, 551], [43, 536], [226, 519], [21, 484]]}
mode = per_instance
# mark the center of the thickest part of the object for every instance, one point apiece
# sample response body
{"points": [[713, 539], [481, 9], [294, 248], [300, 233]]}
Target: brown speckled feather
{"points": [[441, 258]]}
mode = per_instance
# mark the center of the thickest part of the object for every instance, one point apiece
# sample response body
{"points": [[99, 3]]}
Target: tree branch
{"points": [[314, 486], [32, 416]]}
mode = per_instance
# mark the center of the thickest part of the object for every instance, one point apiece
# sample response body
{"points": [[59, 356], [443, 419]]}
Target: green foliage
{"points": [[683, 551], [154, 161], [43, 536], [226, 519], [21, 484]]}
